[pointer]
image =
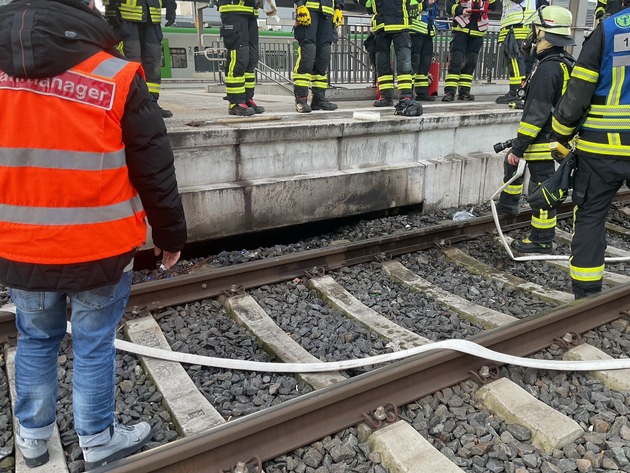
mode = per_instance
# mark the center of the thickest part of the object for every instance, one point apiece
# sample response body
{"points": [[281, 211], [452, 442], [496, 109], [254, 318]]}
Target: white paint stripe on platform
{"points": [[479, 315], [57, 461], [190, 410], [345, 302]]}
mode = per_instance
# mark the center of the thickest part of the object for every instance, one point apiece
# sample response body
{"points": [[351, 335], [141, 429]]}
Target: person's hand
{"points": [[513, 159], [170, 15], [168, 258], [303, 16], [467, 12], [337, 18]]}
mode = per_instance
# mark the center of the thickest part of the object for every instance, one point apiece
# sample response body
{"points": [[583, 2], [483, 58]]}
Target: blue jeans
{"points": [[41, 322]]}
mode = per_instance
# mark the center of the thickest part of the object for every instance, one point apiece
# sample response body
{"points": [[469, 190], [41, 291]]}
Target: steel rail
{"points": [[315, 415], [214, 282]]}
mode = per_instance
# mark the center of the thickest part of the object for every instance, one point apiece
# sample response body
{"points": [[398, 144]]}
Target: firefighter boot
{"points": [[301, 105], [508, 98], [257, 108], [448, 97], [320, 102], [528, 246], [408, 108], [385, 100], [465, 96], [424, 97], [540, 241], [240, 110]]}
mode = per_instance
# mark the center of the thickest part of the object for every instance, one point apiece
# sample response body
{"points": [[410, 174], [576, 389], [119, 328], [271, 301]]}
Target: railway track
{"points": [[380, 400]]}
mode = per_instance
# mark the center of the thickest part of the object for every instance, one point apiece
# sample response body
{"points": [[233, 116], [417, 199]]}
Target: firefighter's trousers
{"points": [[421, 57], [596, 182], [402, 49], [240, 37], [314, 49], [462, 61], [543, 222], [142, 42]]}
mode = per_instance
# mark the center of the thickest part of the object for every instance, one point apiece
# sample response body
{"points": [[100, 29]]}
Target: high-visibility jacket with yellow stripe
{"points": [[545, 86], [422, 21], [597, 101], [325, 6], [390, 16], [66, 195], [245, 7], [514, 15], [134, 10]]}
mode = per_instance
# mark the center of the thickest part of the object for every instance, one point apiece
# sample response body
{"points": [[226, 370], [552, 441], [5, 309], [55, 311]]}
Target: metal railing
{"points": [[350, 62]]}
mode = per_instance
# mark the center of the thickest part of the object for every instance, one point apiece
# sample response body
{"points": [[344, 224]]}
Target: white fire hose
{"points": [[519, 172], [461, 346]]}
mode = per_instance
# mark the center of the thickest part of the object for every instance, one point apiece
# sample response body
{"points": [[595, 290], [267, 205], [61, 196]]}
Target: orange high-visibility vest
{"points": [[65, 193]]}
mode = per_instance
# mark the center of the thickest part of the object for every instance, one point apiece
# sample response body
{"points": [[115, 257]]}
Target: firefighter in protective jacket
{"points": [[511, 38], [470, 23], [551, 32], [138, 24], [315, 21], [606, 7], [597, 106]]}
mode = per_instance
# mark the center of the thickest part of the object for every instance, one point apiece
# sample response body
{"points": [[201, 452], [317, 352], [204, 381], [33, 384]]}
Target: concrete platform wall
{"points": [[254, 176]]}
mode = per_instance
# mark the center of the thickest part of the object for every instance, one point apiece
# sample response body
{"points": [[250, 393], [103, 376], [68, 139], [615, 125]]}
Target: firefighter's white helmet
{"points": [[556, 22]]}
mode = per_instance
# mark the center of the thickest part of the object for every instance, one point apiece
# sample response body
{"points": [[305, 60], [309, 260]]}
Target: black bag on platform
{"points": [[553, 191]]}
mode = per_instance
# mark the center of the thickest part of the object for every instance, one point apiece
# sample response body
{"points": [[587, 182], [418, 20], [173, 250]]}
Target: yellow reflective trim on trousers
{"points": [[584, 74], [614, 139], [513, 189], [528, 129], [543, 223], [560, 128], [586, 274], [232, 64]]}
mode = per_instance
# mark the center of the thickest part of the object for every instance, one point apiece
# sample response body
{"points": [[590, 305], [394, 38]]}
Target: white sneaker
{"points": [[124, 441], [35, 452]]}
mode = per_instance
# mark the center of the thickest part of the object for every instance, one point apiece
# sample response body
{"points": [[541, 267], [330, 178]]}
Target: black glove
{"points": [[170, 15]]}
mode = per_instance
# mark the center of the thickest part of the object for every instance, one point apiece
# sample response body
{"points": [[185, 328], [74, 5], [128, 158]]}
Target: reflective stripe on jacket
{"points": [[66, 195], [390, 16], [516, 13], [599, 92], [133, 10], [325, 6], [247, 7]]}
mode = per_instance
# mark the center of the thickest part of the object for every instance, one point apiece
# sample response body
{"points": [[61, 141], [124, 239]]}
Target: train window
{"points": [[178, 58]]}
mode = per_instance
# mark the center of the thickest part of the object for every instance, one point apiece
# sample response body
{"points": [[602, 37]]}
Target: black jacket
{"points": [[544, 90], [64, 33]]}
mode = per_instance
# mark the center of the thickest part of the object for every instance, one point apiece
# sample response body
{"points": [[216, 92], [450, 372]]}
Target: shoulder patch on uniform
{"points": [[623, 21]]}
